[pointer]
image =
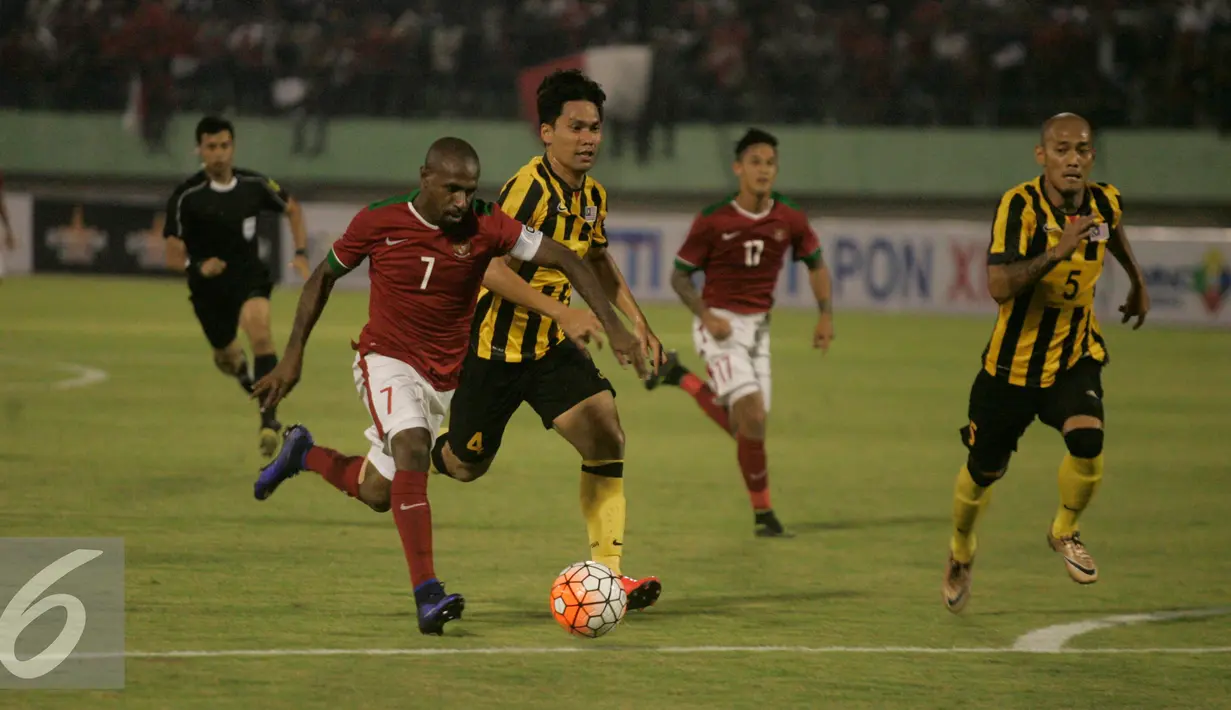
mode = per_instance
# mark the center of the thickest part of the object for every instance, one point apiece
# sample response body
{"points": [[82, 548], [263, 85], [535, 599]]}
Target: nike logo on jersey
{"points": [[393, 242], [728, 236], [408, 507]]}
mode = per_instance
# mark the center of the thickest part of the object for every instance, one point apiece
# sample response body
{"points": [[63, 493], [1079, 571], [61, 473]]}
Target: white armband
{"points": [[527, 244]]}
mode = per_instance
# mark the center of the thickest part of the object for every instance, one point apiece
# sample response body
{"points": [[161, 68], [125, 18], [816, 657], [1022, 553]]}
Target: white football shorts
{"points": [[738, 365], [398, 398]]}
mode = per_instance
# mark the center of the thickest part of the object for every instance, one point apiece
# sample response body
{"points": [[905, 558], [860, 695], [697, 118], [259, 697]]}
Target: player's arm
{"points": [[1009, 272], [532, 247], [272, 388], [1138, 302], [822, 289], [177, 251], [346, 254], [692, 257], [503, 281], [279, 199], [806, 247]]}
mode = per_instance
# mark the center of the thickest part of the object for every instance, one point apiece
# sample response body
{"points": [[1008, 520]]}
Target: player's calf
{"points": [[1081, 472]]}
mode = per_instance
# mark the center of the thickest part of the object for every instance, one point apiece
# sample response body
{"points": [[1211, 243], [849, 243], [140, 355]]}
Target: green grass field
{"points": [[863, 450]]}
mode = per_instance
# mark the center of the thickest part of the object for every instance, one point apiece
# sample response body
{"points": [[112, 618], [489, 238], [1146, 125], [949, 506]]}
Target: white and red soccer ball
{"points": [[588, 599]]}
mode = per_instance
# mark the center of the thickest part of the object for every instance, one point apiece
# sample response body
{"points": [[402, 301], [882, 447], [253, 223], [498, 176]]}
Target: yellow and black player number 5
{"points": [[1072, 285]]}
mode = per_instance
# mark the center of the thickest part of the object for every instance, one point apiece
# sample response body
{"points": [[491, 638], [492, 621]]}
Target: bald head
{"points": [[447, 181], [452, 152], [1068, 122], [1066, 153]]}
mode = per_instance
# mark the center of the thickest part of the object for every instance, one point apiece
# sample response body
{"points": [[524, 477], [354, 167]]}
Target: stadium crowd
{"points": [[895, 62]]}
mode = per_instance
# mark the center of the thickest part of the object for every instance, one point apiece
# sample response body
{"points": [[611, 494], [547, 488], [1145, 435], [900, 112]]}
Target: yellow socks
{"points": [[603, 505], [1079, 479], [969, 498]]}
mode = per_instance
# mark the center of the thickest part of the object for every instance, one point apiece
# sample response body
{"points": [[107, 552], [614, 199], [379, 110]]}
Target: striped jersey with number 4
{"points": [[741, 253], [424, 280], [1049, 326]]}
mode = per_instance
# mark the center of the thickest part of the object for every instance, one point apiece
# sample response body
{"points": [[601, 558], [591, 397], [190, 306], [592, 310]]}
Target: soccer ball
{"points": [[587, 599]]}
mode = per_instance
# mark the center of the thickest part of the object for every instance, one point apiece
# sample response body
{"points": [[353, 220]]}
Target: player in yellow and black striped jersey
{"points": [[505, 331], [524, 338], [1046, 352]]}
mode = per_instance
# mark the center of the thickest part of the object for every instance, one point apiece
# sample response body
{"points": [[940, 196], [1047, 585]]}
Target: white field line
{"points": [[80, 375], [1052, 639], [665, 650]]}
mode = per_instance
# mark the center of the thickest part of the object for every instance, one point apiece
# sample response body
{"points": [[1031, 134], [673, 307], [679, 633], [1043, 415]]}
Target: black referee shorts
{"points": [[218, 306], [490, 392]]}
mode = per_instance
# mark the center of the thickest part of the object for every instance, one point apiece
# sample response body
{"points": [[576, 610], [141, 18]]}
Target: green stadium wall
{"points": [[1179, 167]]}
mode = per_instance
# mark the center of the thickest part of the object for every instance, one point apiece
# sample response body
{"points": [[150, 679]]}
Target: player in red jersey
{"points": [[425, 280], [739, 244]]}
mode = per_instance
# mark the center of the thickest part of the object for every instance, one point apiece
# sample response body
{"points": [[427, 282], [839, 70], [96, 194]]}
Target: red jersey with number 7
{"points": [[425, 280], [741, 253]]}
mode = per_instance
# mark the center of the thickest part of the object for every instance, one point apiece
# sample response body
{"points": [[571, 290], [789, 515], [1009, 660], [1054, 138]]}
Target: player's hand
{"points": [[651, 346], [716, 325], [212, 266], [1137, 305], [274, 387], [582, 327], [627, 349], [1072, 235], [300, 264], [823, 335]]}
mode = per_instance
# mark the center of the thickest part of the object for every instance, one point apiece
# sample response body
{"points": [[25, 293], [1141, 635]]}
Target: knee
{"points": [[751, 421], [467, 472], [375, 490], [1084, 443], [609, 438], [986, 470], [224, 361]]}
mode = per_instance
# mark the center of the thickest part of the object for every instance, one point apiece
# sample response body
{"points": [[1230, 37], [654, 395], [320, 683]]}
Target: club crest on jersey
{"points": [[591, 213], [461, 250], [779, 234]]}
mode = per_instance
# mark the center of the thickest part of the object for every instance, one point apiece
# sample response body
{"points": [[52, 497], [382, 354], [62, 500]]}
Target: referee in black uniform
{"points": [[211, 234]]}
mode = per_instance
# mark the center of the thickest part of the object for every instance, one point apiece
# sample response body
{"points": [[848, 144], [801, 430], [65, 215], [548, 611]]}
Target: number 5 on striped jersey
{"points": [[431, 262]]}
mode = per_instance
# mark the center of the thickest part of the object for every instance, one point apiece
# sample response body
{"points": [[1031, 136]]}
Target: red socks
{"points": [[413, 516], [706, 399], [340, 470], [756, 475]]}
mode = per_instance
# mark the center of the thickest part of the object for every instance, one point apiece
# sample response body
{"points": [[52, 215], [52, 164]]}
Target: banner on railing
{"points": [[934, 266], [107, 237]]}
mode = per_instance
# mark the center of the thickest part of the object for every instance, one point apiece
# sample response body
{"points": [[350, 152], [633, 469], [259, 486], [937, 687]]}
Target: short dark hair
{"points": [[563, 86], [754, 136], [213, 124]]}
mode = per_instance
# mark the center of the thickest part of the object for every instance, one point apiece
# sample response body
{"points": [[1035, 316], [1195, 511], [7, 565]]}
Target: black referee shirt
{"points": [[221, 221]]}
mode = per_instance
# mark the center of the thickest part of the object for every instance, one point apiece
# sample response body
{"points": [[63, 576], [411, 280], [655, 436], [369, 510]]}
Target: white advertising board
{"points": [[20, 209]]}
